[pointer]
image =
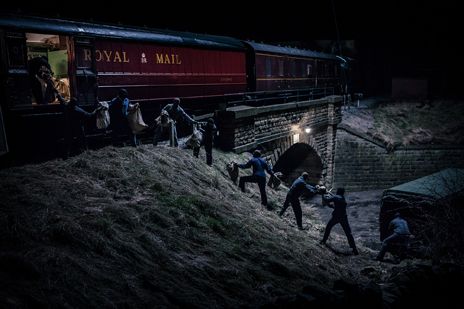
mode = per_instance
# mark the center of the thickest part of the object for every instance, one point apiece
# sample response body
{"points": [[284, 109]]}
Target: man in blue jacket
{"points": [[259, 166], [118, 109], [297, 189], [400, 236], [338, 203]]}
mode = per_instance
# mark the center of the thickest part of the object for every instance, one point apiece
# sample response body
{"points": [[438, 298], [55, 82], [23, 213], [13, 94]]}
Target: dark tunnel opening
{"points": [[297, 159]]}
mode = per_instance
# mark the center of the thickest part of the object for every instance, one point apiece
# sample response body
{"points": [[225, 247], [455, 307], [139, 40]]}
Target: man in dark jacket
{"points": [[119, 109], [297, 189], [43, 87], [74, 121], [259, 166], [338, 203], [400, 236], [176, 114], [208, 138]]}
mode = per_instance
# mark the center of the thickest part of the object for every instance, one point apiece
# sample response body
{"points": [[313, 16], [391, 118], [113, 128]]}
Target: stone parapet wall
{"points": [[275, 128], [240, 126], [365, 164]]}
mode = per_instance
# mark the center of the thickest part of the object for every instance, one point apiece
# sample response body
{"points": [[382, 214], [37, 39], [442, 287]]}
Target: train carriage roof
{"points": [[168, 37], [439, 185], [267, 48]]}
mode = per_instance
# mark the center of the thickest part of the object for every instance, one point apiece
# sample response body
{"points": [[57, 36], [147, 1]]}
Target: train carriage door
{"points": [[15, 89], [250, 68], [85, 72]]}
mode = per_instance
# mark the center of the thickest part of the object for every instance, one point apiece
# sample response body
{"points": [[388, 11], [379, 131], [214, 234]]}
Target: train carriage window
{"points": [[309, 70], [292, 72], [268, 67], [83, 57], [298, 71], [281, 68], [47, 56], [15, 53], [321, 69]]}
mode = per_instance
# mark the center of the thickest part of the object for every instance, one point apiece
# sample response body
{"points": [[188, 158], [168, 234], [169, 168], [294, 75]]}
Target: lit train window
{"points": [[309, 70], [268, 67], [47, 56]]}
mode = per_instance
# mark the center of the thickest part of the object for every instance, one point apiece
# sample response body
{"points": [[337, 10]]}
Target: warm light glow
{"points": [[307, 130], [296, 138], [295, 128]]}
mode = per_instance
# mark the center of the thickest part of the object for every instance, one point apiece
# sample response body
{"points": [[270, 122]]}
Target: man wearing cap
{"points": [[259, 166], [338, 203], [299, 186], [118, 109], [176, 114], [400, 236]]}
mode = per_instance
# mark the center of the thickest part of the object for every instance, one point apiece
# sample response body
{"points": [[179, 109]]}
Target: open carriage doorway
{"points": [[48, 57]]}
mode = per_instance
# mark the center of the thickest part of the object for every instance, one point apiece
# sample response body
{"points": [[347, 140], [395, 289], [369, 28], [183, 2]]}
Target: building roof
{"points": [[260, 47], [168, 37], [436, 186]]}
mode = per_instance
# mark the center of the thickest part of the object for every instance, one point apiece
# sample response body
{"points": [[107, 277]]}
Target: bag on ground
{"points": [[274, 181], [232, 169]]}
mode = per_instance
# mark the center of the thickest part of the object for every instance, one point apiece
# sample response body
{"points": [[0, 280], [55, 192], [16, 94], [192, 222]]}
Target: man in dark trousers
{"points": [[259, 166], [119, 109], [338, 203], [299, 186], [75, 118], [400, 237], [208, 137], [74, 121]]}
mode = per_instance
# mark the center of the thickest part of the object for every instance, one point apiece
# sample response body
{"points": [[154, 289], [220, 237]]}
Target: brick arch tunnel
{"points": [[299, 158]]}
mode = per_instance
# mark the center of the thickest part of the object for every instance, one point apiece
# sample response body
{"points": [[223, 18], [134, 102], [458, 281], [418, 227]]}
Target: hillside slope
{"points": [[151, 226], [410, 123]]}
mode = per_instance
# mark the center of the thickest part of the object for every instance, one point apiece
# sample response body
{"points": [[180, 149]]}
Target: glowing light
{"points": [[307, 130], [295, 128]]}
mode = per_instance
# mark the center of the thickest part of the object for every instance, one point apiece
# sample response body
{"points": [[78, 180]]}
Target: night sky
{"points": [[409, 20], [392, 38]]}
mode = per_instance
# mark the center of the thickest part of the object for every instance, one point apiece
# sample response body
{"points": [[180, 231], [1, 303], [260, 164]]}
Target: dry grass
{"points": [[153, 227]]}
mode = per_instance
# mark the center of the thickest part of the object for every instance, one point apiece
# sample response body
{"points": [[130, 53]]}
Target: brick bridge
{"points": [[292, 136]]}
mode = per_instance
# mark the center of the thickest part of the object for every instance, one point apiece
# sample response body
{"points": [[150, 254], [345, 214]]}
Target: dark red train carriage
{"points": [[282, 68], [92, 61], [151, 71]]}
